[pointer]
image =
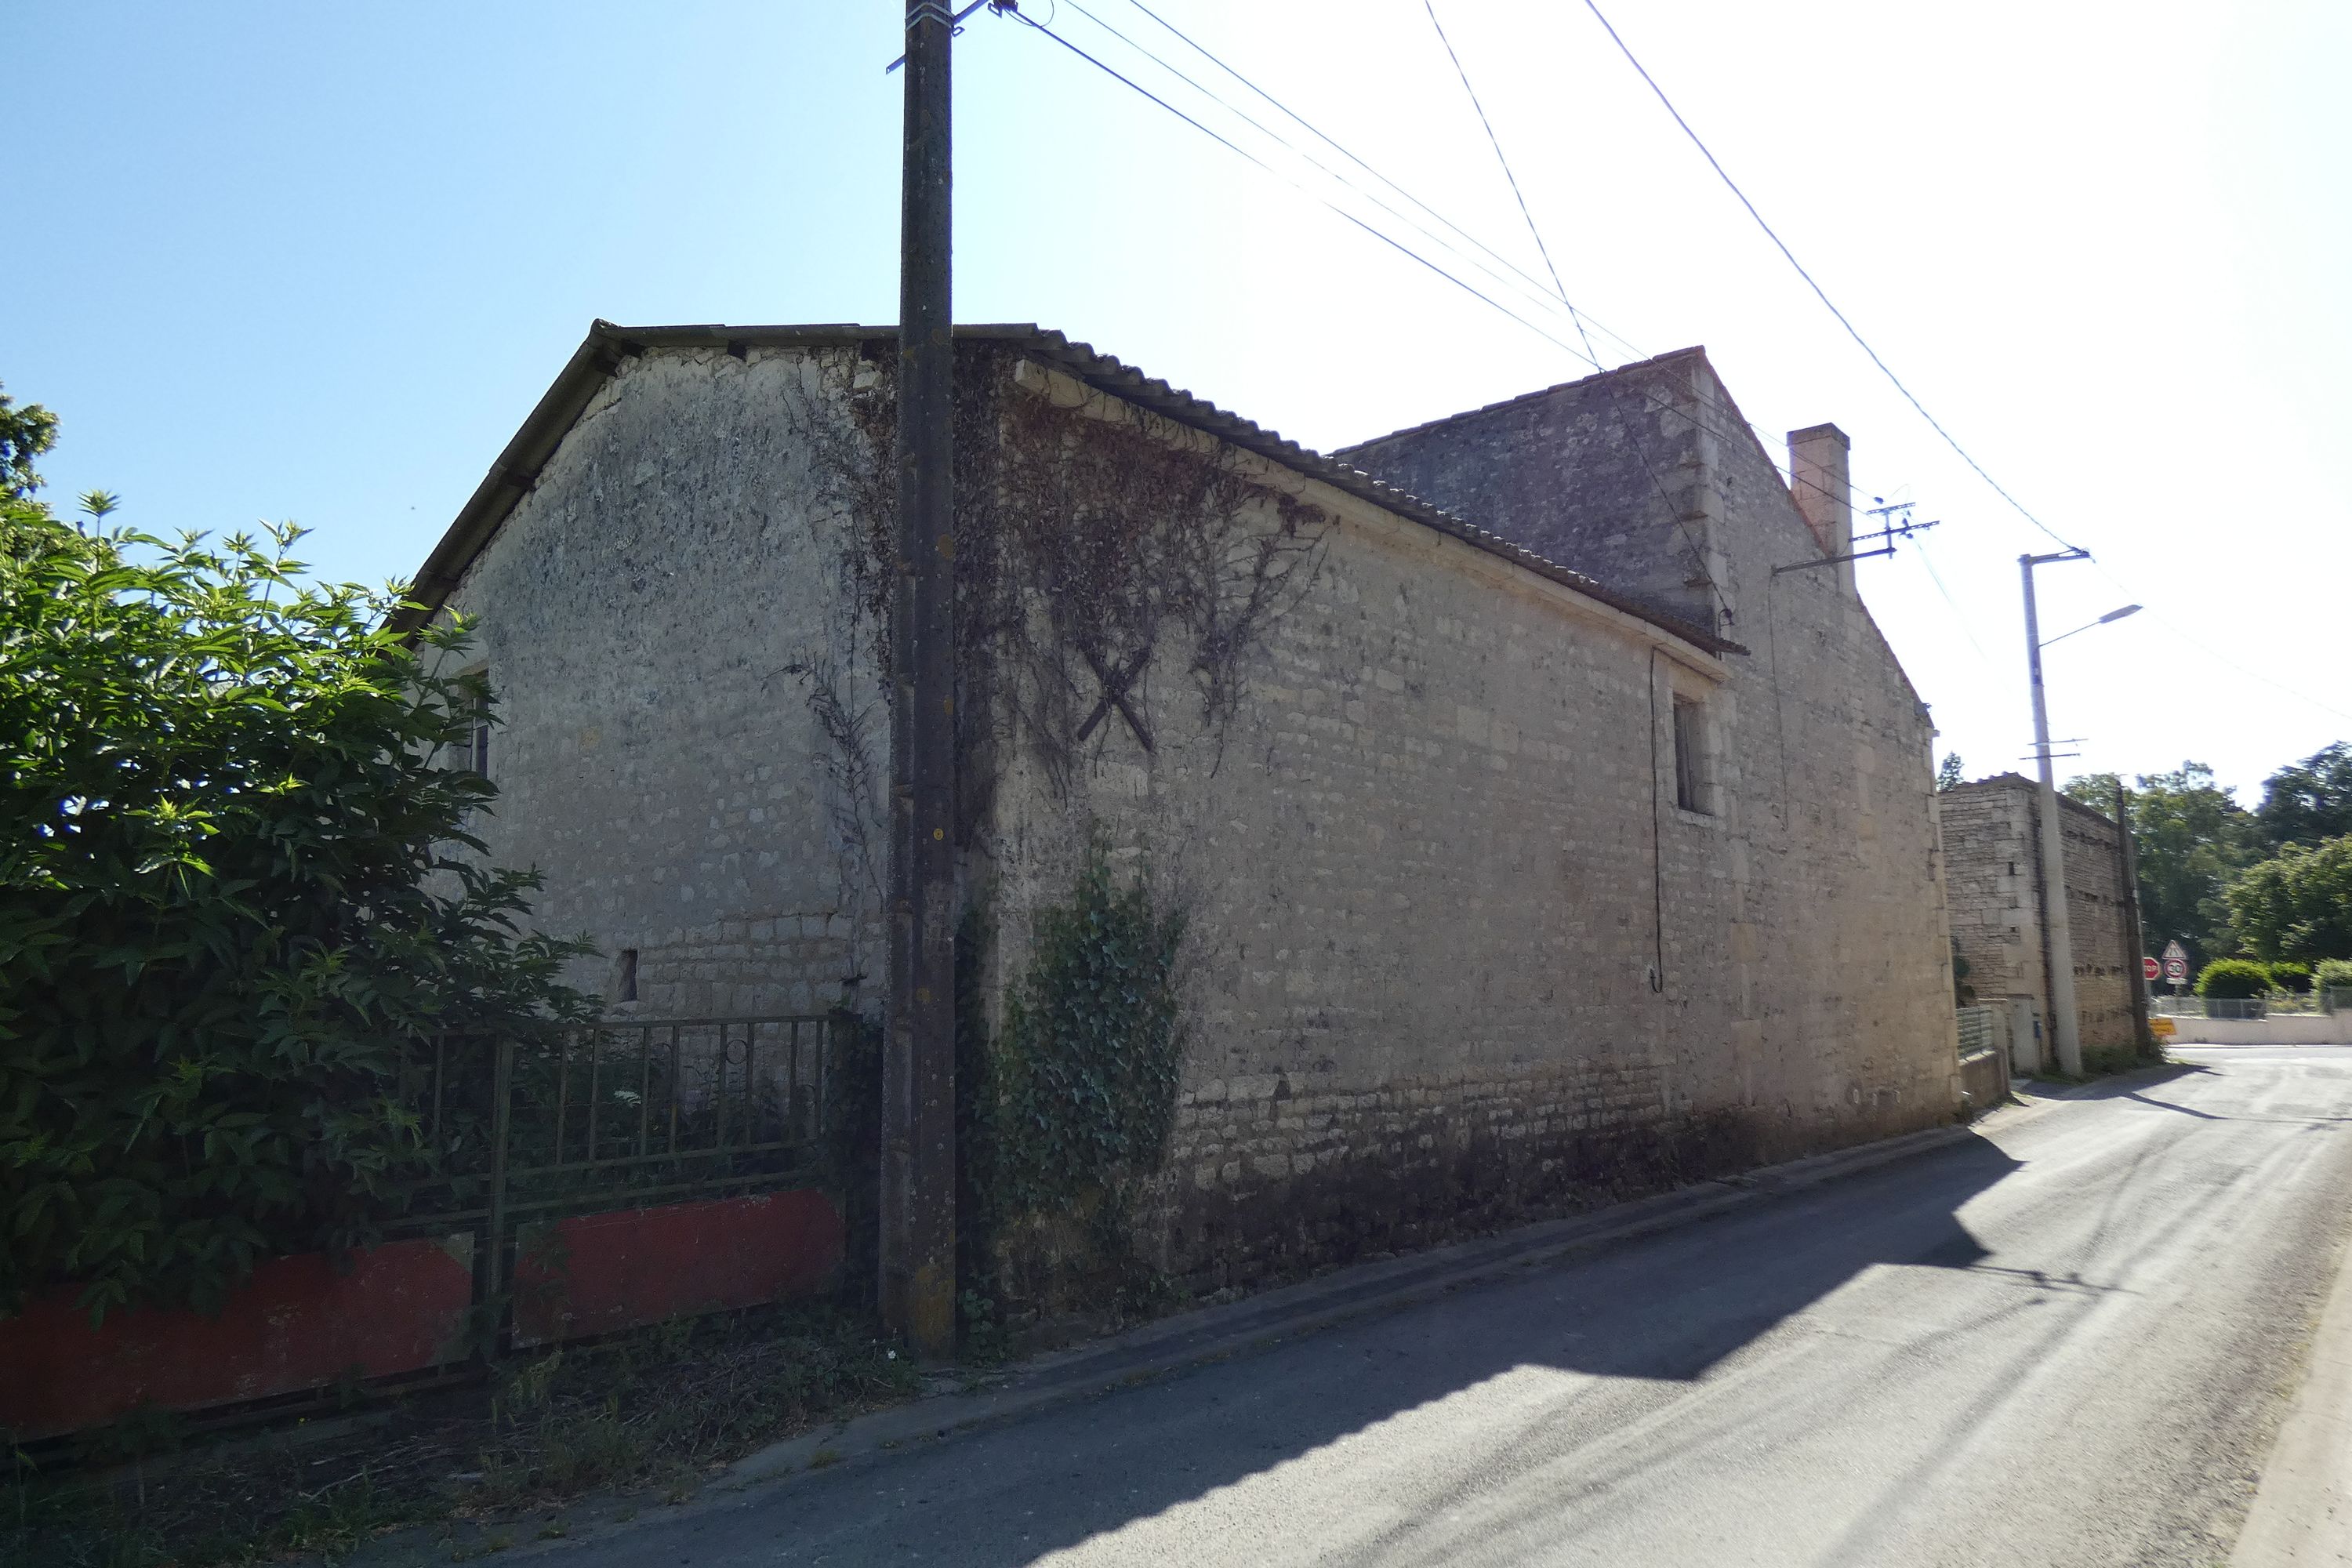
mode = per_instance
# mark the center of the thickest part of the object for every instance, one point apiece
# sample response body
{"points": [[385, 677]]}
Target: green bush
{"points": [[2333, 974], [235, 889], [2288, 975], [2233, 979], [1087, 1059]]}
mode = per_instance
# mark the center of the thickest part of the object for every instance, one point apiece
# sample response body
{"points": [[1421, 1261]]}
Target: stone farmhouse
{"points": [[1549, 817], [1993, 868]]}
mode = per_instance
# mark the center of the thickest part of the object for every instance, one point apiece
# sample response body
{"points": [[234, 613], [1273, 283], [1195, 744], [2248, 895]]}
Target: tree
{"points": [[2305, 802], [2097, 791], [25, 434], [2298, 903], [1947, 775], [2191, 838], [236, 890]]}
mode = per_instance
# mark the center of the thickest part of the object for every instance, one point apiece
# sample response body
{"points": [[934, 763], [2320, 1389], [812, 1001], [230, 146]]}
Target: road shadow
{"points": [[1664, 1309]]}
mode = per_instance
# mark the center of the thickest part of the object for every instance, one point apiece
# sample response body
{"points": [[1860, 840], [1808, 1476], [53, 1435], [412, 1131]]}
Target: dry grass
{"points": [[657, 1409]]}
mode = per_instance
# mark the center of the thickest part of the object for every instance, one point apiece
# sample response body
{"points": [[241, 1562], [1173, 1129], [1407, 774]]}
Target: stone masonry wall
{"points": [[1458, 956], [1592, 476], [1992, 848], [656, 617]]}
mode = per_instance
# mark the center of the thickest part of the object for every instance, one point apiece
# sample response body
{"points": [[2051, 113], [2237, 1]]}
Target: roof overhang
{"points": [[607, 347]]}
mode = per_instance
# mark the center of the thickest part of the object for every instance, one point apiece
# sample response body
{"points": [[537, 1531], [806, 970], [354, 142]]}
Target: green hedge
{"points": [[2233, 979]]}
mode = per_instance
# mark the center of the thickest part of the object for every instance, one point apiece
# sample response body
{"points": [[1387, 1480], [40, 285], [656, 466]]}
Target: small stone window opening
{"points": [[1690, 756], [471, 751], [627, 989]]}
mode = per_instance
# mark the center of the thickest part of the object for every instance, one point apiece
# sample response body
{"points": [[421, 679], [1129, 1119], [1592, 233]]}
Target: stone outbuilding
{"points": [[1992, 868], [1548, 819]]}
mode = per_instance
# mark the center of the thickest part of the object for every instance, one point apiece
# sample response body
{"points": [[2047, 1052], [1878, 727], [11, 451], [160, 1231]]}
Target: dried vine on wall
{"points": [[1092, 548], [1127, 547]]}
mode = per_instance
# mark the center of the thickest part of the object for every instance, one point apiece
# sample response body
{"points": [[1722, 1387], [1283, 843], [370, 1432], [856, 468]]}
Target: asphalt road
{"points": [[2068, 1341]]}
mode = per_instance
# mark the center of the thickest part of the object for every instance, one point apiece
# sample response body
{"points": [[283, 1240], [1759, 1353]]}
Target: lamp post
{"points": [[2066, 1032]]}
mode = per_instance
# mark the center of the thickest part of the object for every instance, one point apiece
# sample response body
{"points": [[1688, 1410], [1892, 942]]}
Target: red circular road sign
{"points": [[2149, 969]]}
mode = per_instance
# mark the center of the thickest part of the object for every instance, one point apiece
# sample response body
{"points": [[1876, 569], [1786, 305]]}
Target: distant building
{"points": [[1993, 874], [1551, 818]]}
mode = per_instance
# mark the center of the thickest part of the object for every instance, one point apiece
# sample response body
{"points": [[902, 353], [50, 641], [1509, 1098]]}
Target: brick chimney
{"points": [[1817, 479]]}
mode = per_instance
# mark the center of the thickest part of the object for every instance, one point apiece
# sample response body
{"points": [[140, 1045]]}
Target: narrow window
{"points": [[1690, 756], [470, 749], [628, 987]]}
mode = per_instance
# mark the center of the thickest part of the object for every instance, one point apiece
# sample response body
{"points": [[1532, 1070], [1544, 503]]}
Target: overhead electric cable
{"points": [[1320, 135], [2185, 634], [1937, 577], [1497, 144], [1698, 554], [1508, 276], [1819, 292], [1585, 354], [1389, 240]]}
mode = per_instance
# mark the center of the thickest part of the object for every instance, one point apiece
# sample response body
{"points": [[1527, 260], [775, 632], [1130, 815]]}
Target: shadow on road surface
{"points": [[1664, 1308]]}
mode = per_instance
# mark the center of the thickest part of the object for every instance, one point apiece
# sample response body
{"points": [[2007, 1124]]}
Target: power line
{"points": [[1959, 615], [1529, 288], [1580, 320], [1497, 144], [1698, 554], [1583, 354], [1320, 135], [1819, 292], [2185, 634], [1222, 140], [1575, 317]]}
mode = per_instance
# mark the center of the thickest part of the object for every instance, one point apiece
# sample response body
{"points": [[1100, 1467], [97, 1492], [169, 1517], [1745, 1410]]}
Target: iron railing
{"points": [[1982, 1029], [613, 1114], [2226, 1006]]}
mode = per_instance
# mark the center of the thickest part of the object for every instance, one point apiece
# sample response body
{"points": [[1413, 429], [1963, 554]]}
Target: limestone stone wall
{"points": [[664, 629], [1459, 955], [1992, 847]]}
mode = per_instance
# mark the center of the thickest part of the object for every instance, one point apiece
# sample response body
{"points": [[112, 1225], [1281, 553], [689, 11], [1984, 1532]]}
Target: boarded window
{"points": [[1690, 756]]}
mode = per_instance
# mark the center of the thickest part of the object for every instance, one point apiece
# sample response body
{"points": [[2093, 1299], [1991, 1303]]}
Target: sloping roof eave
{"points": [[602, 352]]}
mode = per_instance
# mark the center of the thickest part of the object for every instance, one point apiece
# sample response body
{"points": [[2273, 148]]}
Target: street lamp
{"points": [[2066, 1033], [2103, 620]]}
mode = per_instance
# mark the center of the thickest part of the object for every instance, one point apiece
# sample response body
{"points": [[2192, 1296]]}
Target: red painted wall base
{"points": [[602, 1272], [297, 1324]]}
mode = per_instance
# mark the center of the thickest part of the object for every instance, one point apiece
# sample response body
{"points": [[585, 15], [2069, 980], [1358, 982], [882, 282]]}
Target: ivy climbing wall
{"points": [[1460, 950], [1368, 839]]}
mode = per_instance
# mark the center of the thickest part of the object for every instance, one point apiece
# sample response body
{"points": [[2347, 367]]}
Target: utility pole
{"points": [[2135, 944], [917, 1196], [2063, 1025]]}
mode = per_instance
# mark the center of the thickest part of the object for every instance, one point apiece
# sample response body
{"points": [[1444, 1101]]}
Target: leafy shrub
{"points": [[2288, 975], [235, 889], [1086, 1062], [2233, 979], [2333, 974]]}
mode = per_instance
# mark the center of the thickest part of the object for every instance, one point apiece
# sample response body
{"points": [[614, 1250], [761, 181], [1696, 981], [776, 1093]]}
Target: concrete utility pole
{"points": [[2135, 943], [2064, 1025], [917, 1198]]}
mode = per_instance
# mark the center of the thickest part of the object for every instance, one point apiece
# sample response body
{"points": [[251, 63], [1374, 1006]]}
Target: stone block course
{"points": [[1456, 957]]}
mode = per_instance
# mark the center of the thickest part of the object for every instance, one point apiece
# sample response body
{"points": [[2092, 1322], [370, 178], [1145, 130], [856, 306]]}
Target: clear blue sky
{"points": [[316, 262]]}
